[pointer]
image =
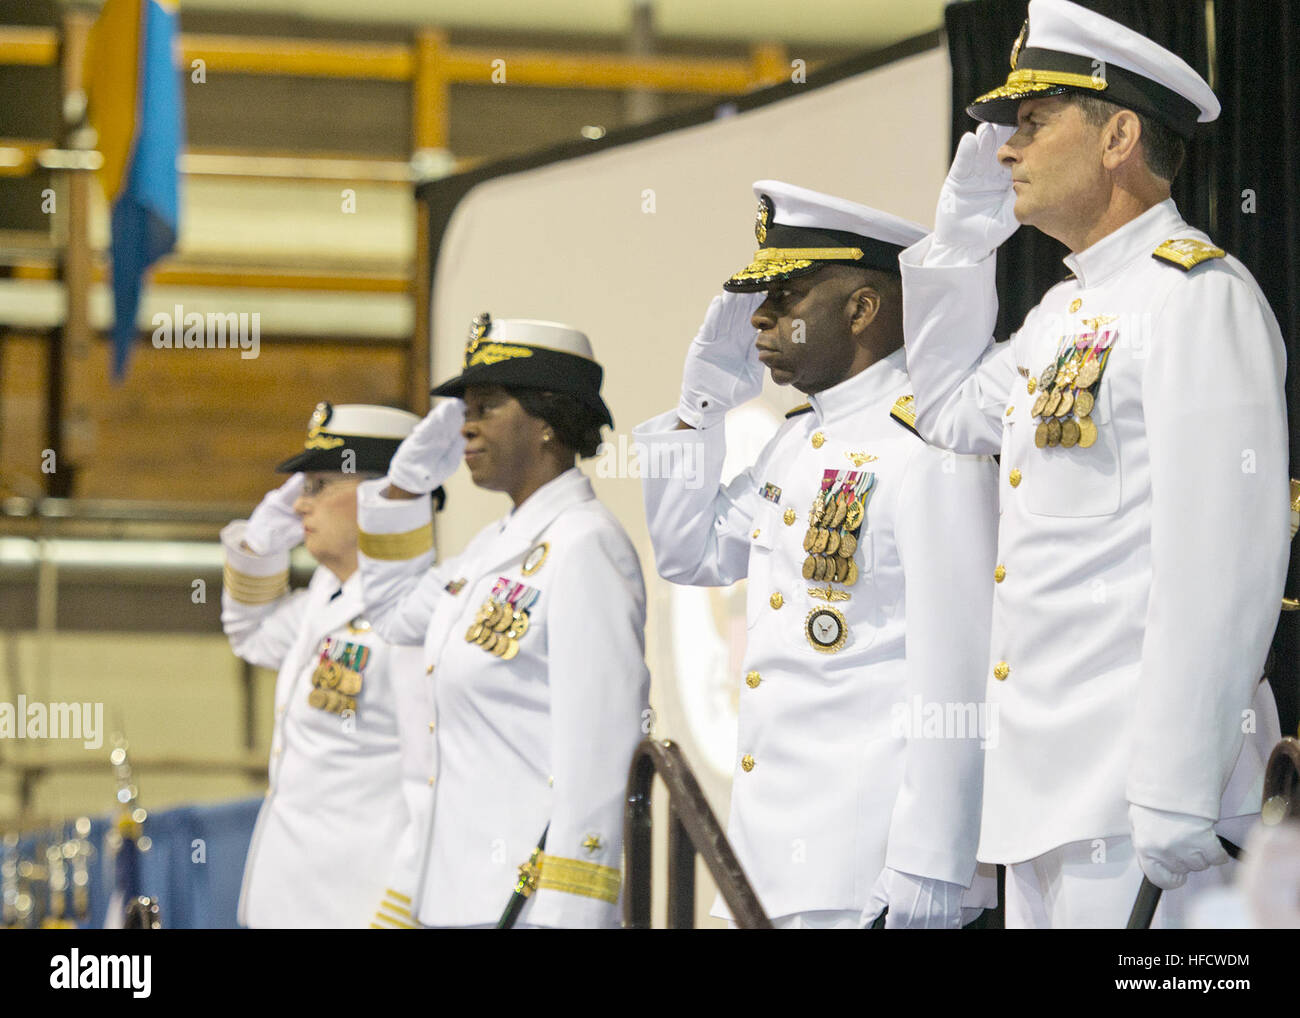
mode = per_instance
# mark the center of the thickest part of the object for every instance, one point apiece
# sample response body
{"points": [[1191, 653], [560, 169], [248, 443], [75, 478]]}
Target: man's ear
{"points": [[1120, 138], [864, 305]]}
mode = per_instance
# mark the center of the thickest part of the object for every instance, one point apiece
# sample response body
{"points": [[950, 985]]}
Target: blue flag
{"points": [[136, 105]]}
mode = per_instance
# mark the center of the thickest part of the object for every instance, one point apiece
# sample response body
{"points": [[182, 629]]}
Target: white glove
{"points": [[1171, 845], [976, 212], [274, 526], [722, 367], [432, 451], [915, 903]]}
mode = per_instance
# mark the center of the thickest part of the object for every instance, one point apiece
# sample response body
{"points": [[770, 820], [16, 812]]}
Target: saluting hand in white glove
{"points": [[432, 451], [976, 212], [722, 368], [274, 526], [915, 903], [1171, 845]]}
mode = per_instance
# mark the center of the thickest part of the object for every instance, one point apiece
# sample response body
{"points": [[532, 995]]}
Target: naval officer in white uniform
{"points": [[1140, 417], [325, 835], [869, 556], [533, 640]]}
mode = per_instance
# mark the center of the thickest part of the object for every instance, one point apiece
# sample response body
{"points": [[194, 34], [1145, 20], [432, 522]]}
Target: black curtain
{"points": [[1240, 182], [1257, 161]]}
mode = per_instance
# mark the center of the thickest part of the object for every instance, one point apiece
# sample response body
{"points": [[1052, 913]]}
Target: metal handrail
{"points": [[693, 829]]}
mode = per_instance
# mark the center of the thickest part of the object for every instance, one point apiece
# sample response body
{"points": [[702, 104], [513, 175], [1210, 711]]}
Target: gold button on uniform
{"points": [[752, 680], [1075, 305], [817, 439], [1011, 410], [1014, 478], [429, 670], [1033, 384], [755, 534], [431, 726], [747, 763], [1001, 670], [1000, 573], [431, 779], [789, 517], [776, 600]]}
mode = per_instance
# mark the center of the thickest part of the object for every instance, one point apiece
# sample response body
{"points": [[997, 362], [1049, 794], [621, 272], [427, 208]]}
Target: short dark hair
{"points": [[1163, 149], [575, 424]]}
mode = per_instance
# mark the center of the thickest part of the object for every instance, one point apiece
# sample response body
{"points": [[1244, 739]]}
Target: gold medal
{"points": [[1053, 432], [1083, 403], [1088, 374], [501, 646], [841, 506], [503, 623], [333, 702], [809, 564], [317, 698], [491, 640], [519, 625], [1087, 432], [485, 635], [853, 518], [471, 634], [1067, 402], [1039, 403], [819, 572], [841, 569], [848, 545], [1069, 434], [1053, 401], [823, 536], [850, 577], [809, 539], [1040, 435], [350, 685], [512, 648], [833, 542]]}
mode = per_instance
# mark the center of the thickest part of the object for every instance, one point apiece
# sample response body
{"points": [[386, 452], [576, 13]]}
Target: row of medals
{"points": [[1066, 399], [334, 688], [498, 627], [832, 537]]}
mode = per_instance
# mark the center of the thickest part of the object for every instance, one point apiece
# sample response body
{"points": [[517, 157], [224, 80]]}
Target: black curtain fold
{"points": [[1240, 182]]}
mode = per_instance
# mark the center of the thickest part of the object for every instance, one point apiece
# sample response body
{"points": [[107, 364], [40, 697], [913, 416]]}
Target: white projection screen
{"points": [[629, 244]]}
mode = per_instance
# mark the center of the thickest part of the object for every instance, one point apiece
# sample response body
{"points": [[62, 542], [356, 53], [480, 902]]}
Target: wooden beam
{"points": [[235, 54], [601, 71], [29, 47]]}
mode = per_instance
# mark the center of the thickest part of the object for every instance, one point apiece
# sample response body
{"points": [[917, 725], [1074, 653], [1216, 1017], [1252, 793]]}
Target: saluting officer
{"points": [[325, 835], [533, 639], [1140, 418], [868, 555]]}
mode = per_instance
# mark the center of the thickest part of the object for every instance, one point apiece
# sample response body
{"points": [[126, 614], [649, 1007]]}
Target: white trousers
{"points": [[1092, 885]]}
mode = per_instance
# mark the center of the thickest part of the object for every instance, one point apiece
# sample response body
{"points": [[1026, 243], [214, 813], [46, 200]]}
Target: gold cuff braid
{"points": [[575, 876], [254, 590], [397, 547]]}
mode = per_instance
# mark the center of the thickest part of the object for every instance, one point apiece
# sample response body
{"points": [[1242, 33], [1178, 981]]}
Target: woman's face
{"points": [[502, 441]]}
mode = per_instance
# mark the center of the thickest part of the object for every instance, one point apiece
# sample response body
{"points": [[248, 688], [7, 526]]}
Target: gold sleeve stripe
{"points": [[904, 412], [396, 909], [248, 589], [397, 896], [387, 922], [396, 547], [575, 876]]}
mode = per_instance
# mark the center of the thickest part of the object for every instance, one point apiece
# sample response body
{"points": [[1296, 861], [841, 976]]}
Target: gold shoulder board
{"points": [[802, 408], [1186, 252], [904, 412]]}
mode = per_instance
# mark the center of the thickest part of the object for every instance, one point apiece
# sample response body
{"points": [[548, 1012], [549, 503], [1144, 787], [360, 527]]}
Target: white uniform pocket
{"points": [[1076, 482]]}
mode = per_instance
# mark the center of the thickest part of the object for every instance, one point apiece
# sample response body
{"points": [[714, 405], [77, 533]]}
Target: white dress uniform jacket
{"points": [[324, 840], [545, 736], [842, 768], [1143, 574]]}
